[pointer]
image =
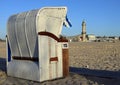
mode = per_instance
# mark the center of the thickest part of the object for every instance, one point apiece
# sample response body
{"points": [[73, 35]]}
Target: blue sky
{"points": [[102, 16]]}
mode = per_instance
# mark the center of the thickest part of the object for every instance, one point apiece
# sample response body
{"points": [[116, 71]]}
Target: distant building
{"points": [[83, 38], [91, 37]]}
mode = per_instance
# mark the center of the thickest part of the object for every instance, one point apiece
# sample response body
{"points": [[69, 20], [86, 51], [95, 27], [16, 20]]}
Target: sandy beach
{"points": [[95, 63]]}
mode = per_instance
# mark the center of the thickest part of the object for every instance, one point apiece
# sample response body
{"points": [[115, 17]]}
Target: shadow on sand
{"points": [[101, 77], [96, 73], [3, 64], [82, 71]]}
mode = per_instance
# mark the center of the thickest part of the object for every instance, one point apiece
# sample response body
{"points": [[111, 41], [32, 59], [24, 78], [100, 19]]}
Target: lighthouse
{"points": [[83, 31]]}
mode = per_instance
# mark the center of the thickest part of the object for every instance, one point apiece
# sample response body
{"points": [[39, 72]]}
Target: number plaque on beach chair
{"points": [[36, 50]]}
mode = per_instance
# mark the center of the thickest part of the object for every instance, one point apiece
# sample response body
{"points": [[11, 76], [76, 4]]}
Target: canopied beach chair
{"points": [[36, 50]]}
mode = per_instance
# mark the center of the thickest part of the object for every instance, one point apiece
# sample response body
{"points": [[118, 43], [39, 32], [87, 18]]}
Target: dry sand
{"points": [[90, 64], [102, 55]]}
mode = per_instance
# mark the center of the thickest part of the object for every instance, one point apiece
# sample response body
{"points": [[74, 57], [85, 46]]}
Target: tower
{"points": [[83, 31]]}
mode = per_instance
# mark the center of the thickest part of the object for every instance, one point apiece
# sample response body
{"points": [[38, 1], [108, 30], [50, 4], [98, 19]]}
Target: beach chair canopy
{"points": [[23, 29]]}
